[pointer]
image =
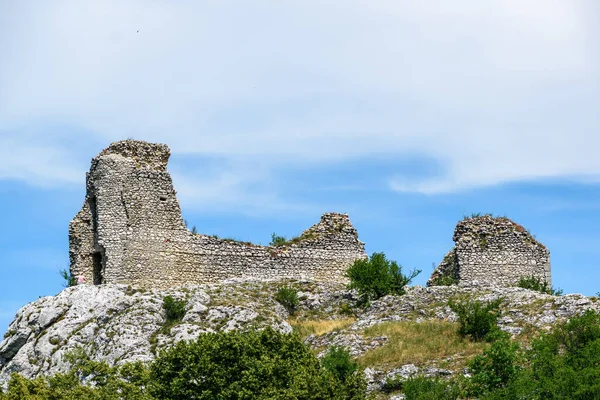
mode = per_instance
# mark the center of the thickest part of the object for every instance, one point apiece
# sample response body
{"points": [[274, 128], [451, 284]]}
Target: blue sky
{"points": [[406, 115]]}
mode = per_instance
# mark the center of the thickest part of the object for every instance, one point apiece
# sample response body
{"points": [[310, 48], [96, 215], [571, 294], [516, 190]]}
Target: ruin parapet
{"points": [[130, 230], [495, 251]]}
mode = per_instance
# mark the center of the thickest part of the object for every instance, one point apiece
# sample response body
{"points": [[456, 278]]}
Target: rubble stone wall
{"points": [[130, 230], [494, 250]]}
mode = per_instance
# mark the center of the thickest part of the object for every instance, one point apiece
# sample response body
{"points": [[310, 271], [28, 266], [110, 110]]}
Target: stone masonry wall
{"points": [[130, 230], [493, 251]]}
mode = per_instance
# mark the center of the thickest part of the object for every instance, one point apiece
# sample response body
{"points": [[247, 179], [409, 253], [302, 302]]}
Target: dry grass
{"points": [[308, 327], [417, 343]]}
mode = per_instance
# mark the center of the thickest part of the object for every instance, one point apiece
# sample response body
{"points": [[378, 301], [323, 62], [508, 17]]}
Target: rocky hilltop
{"points": [[120, 323]]}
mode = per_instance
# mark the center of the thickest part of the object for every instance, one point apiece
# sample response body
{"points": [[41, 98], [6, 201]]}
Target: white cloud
{"points": [[36, 164], [495, 91]]}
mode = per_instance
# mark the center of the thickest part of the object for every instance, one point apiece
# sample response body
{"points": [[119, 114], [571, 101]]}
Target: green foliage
{"points": [[129, 382], [235, 365], [194, 230], [477, 319], [277, 240], [174, 310], [496, 366], [377, 277], [338, 361], [477, 215], [253, 365], [68, 279], [539, 285], [288, 298], [346, 309], [562, 364], [421, 388], [283, 241], [393, 384], [444, 280]]}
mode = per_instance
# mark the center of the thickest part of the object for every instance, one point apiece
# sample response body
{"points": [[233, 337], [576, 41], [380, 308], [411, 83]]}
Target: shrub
{"points": [[338, 361], [103, 382], [288, 298], [241, 366], [539, 285], [444, 280], [174, 309], [277, 240], [562, 364], [496, 366], [421, 388], [346, 309], [68, 279], [252, 365], [477, 319], [376, 277]]}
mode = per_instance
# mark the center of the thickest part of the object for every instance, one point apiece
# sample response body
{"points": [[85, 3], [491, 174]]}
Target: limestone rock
{"points": [[117, 324]]}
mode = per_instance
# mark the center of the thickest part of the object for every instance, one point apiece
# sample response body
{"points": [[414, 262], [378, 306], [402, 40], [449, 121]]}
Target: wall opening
{"points": [[97, 261]]}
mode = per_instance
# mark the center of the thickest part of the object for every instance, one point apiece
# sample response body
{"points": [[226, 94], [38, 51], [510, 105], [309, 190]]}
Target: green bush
{"points": [[444, 280], [477, 319], [253, 365], [539, 285], [562, 364], [129, 382], [288, 298], [421, 388], [377, 276], [68, 279], [338, 361], [174, 309], [496, 366], [277, 240], [226, 366]]}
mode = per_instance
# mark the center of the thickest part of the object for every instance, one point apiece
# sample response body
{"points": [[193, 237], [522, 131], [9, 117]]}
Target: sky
{"points": [[405, 115]]}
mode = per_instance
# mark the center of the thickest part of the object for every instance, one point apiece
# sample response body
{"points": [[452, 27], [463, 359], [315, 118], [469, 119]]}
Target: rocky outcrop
{"points": [[118, 323], [492, 250], [130, 231]]}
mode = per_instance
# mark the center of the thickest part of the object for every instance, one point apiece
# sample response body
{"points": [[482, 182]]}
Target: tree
{"points": [[377, 276], [251, 365]]}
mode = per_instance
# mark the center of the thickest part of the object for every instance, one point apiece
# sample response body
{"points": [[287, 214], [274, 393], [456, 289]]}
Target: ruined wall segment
{"points": [[130, 230], [493, 250]]}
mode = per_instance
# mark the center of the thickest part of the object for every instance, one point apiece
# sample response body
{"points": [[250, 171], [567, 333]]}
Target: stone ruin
{"points": [[130, 230], [492, 251]]}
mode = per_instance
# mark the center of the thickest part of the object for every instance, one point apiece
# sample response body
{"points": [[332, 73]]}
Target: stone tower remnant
{"points": [[493, 250], [130, 230]]}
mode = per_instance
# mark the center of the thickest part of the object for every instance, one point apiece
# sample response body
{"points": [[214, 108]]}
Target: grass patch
{"points": [[307, 327], [416, 343]]}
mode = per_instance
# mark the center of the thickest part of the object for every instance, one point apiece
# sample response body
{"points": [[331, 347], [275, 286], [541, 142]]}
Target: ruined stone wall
{"points": [[494, 251], [130, 230]]}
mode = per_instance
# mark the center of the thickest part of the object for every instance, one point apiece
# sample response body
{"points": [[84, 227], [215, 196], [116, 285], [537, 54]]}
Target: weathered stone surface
{"points": [[118, 323], [130, 230], [493, 251]]}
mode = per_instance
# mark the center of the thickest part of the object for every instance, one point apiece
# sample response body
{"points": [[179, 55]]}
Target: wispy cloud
{"points": [[496, 92]]}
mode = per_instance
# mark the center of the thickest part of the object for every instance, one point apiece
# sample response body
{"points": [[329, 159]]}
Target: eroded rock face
{"points": [[117, 323], [492, 250], [130, 231]]}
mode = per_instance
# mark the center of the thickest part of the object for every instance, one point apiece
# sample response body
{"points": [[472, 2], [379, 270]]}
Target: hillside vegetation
{"points": [[304, 340]]}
